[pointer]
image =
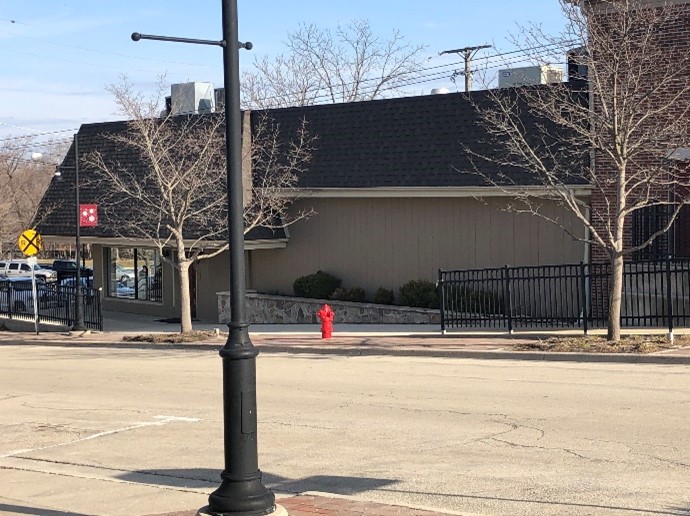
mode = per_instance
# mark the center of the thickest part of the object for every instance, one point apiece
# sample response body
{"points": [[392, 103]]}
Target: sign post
{"points": [[30, 244], [34, 291]]}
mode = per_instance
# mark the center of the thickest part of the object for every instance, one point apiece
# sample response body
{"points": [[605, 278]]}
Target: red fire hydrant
{"points": [[326, 315]]}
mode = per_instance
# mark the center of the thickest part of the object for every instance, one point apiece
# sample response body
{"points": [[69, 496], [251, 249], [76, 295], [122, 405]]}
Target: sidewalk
{"points": [[350, 340], [310, 505]]}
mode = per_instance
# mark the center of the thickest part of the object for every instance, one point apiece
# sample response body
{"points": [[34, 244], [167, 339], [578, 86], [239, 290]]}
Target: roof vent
{"points": [[440, 91]]}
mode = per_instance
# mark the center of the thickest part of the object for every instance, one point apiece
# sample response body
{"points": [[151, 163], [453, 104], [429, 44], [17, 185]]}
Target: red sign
{"points": [[88, 215]]}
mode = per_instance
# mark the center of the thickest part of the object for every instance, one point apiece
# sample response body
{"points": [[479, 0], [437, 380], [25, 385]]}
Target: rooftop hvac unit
{"points": [[529, 76], [192, 98]]}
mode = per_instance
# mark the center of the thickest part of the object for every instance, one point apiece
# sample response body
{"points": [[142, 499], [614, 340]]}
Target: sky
{"points": [[58, 56]]}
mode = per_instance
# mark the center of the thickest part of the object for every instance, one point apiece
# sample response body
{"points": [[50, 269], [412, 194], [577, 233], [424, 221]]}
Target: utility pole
{"points": [[241, 492], [468, 53]]}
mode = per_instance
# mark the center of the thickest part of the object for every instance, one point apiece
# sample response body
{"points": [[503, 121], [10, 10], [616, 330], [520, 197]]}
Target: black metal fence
{"points": [[655, 294], [56, 303]]}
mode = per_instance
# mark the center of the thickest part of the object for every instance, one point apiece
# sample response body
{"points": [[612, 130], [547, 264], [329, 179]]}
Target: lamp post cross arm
{"points": [[136, 36]]}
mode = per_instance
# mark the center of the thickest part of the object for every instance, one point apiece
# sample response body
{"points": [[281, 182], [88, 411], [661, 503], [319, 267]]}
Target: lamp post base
{"points": [[206, 511]]}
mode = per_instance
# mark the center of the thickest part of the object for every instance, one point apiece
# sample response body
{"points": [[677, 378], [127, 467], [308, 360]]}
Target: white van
{"points": [[22, 268]]}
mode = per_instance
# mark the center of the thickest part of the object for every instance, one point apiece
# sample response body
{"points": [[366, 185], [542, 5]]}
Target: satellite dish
{"points": [[36, 156], [440, 91]]}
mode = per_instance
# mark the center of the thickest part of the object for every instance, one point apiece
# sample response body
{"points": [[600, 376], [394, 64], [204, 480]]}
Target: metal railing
{"points": [[56, 303], [655, 294]]}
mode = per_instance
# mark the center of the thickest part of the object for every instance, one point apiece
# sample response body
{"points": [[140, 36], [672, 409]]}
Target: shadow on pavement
{"points": [[201, 478], [21, 509]]}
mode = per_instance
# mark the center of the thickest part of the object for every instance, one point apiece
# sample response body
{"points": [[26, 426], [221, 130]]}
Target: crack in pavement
{"points": [[546, 448], [12, 396], [151, 472], [27, 404], [300, 425]]}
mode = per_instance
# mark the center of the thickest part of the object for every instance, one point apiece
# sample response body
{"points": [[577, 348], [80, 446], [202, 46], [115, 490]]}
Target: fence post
{"points": [[507, 306], [669, 299], [68, 306], [442, 303], [10, 300], [583, 286], [99, 308]]}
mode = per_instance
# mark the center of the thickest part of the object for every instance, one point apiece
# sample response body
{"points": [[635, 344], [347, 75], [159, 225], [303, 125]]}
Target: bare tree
{"points": [[349, 65], [23, 183], [615, 135], [174, 192]]}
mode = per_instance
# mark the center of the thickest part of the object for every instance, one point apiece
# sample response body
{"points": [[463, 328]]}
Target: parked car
{"points": [[66, 268], [68, 284], [124, 291], [124, 274], [22, 268], [72, 282], [16, 295]]}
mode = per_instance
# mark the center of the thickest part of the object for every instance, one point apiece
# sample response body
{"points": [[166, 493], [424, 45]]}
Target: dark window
{"points": [[134, 273], [645, 223]]}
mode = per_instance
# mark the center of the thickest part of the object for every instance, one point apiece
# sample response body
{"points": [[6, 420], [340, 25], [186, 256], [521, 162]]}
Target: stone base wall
{"points": [[268, 309]]}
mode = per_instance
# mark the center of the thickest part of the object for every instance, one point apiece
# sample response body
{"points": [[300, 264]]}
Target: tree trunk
{"points": [[615, 298], [185, 298]]}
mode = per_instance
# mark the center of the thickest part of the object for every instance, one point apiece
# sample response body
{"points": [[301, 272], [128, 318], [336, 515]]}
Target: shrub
{"points": [[339, 294], [419, 293], [384, 296], [319, 285], [356, 295]]}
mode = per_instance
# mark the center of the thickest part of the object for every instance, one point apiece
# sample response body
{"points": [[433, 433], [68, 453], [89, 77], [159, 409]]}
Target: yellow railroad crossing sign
{"points": [[30, 242]]}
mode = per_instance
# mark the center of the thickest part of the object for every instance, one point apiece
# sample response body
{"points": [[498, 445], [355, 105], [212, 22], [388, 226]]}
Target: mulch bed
{"points": [[595, 344]]}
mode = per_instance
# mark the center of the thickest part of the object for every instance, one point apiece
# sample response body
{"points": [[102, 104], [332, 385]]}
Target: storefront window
{"points": [[134, 273]]}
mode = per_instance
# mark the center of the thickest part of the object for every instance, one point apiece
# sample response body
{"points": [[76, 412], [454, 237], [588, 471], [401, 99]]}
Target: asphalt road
{"points": [[112, 431]]}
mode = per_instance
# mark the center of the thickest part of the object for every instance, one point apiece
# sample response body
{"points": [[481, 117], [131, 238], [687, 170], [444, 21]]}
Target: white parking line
{"points": [[160, 420]]}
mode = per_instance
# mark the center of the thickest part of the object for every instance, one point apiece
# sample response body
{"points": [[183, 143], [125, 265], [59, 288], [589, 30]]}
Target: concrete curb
{"points": [[620, 358]]}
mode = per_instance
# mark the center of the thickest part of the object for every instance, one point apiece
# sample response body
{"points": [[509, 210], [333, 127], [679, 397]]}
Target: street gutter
{"points": [[369, 350]]}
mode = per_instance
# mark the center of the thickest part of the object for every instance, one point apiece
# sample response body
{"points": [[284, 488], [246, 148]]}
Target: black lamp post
{"points": [[241, 491], [79, 298], [79, 302]]}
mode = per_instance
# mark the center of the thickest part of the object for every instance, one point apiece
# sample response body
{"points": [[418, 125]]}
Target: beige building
{"points": [[394, 196], [371, 241]]}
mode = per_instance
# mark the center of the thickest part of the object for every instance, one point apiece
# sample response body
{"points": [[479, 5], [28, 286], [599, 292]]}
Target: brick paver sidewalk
{"points": [[309, 505]]}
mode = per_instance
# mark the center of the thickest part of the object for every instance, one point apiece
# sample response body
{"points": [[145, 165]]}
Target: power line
{"points": [[33, 133], [93, 50], [546, 50], [84, 63], [437, 72], [33, 145]]}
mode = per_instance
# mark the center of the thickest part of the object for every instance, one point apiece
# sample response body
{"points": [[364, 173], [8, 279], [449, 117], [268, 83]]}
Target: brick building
{"points": [[639, 73]]}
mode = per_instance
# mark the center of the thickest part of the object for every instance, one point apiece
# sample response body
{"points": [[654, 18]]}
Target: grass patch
{"points": [[594, 344], [173, 338]]}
